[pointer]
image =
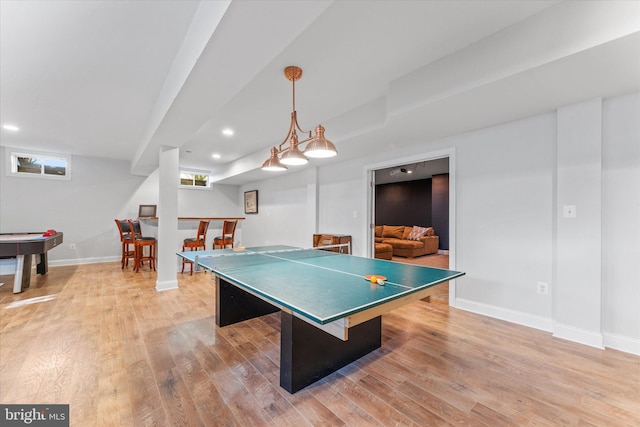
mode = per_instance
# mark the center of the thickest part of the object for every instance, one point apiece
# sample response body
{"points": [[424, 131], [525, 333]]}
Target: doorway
{"points": [[413, 165]]}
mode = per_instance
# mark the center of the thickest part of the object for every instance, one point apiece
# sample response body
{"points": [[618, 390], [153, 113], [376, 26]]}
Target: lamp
{"points": [[272, 163], [318, 146]]}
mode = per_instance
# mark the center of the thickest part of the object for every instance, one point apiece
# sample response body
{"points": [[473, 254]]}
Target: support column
{"points": [[577, 291], [312, 201], [168, 239]]}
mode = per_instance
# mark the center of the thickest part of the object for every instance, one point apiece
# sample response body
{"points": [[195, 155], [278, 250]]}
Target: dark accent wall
{"points": [[423, 202], [404, 203]]}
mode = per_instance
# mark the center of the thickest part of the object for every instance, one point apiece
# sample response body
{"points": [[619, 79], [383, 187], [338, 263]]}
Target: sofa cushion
{"points": [[417, 232], [404, 244], [392, 231], [406, 232], [378, 231]]}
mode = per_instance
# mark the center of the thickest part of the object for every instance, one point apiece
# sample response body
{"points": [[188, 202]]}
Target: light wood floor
{"points": [[121, 353], [439, 293]]}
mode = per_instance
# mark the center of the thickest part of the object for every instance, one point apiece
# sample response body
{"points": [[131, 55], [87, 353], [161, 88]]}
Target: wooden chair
{"points": [[139, 243], [194, 244], [125, 239], [228, 234]]}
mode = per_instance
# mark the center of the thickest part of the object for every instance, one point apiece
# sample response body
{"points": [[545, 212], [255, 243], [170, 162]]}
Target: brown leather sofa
{"points": [[398, 236]]}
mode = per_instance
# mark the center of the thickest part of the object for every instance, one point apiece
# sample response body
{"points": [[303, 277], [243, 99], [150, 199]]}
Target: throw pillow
{"points": [[417, 233]]}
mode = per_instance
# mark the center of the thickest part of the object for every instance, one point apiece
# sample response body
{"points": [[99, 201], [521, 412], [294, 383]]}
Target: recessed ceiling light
{"points": [[215, 155], [227, 131], [11, 127]]}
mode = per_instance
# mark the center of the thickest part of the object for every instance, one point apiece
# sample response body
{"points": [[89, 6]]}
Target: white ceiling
{"points": [[412, 171], [122, 79]]}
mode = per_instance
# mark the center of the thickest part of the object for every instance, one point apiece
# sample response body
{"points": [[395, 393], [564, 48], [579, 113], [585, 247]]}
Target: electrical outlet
{"points": [[72, 246], [543, 288], [569, 211]]}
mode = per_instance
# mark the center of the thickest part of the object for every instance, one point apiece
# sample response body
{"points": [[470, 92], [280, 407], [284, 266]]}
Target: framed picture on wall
{"points": [[251, 202]]}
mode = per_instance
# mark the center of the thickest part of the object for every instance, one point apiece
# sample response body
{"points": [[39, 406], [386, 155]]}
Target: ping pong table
{"points": [[330, 314]]}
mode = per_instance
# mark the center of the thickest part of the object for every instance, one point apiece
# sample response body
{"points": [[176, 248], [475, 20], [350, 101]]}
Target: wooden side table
{"points": [[333, 239]]}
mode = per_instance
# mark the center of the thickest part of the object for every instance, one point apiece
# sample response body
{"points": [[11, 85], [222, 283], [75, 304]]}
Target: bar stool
{"points": [[228, 234], [194, 244], [139, 243], [125, 239]]}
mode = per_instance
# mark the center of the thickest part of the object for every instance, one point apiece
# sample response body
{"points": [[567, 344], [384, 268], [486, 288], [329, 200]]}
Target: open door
{"points": [[372, 214]]}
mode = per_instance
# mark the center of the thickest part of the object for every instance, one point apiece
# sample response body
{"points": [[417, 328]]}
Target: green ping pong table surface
{"points": [[320, 285]]}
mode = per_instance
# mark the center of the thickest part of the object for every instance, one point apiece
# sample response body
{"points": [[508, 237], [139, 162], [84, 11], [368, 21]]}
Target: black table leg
{"points": [[26, 272], [42, 266], [308, 354], [234, 305]]}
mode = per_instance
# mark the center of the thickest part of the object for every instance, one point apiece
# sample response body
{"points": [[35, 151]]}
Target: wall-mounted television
{"points": [[147, 211]]}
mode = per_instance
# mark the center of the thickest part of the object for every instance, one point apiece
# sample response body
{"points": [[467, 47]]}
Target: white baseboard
{"points": [[8, 266], [579, 335], [622, 343], [570, 333], [78, 261], [166, 285], [512, 316]]}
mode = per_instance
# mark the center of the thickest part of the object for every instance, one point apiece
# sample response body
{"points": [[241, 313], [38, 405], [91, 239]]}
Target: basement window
{"points": [[195, 179], [40, 165]]}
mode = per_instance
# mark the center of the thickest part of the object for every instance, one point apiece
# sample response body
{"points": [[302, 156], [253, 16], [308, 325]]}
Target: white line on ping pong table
{"points": [[332, 269], [269, 254], [236, 253]]}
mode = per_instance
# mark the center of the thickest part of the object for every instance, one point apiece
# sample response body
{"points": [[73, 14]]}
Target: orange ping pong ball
{"points": [[373, 279]]}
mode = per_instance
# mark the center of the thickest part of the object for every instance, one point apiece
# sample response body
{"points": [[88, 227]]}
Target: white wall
{"points": [[621, 222], [84, 208], [578, 246], [286, 211], [504, 218], [507, 187], [342, 207]]}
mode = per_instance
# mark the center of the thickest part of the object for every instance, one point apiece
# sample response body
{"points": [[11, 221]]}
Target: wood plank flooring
{"points": [[439, 293], [122, 354]]}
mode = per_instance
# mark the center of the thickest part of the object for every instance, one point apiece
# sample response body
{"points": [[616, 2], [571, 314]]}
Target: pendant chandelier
{"points": [[317, 145]]}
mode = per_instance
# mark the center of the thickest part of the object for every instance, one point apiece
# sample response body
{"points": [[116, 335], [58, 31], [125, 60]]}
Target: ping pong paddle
{"points": [[375, 278]]}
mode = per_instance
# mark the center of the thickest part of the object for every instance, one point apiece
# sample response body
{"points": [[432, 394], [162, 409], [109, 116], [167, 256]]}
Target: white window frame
{"points": [[195, 172], [12, 160]]}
